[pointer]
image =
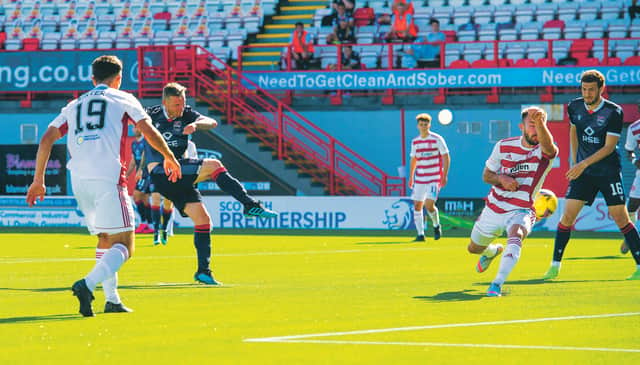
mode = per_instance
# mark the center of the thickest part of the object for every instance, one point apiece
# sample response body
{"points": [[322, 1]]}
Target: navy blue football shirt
{"points": [[592, 128]]}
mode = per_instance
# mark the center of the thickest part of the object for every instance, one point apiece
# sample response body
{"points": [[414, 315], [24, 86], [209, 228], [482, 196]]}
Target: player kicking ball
{"points": [[176, 121], [516, 168]]}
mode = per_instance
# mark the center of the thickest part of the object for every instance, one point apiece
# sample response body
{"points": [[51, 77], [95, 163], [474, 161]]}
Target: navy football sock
{"points": [[633, 240], [231, 186], [141, 211], [155, 218], [147, 213], [562, 239], [202, 241], [166, 215]]}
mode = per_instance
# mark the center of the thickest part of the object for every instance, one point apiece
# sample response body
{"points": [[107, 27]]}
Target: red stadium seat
{"points": [[525, 62], [460, 64], [450, 35], [581, 48], [481, 63], [588, 61], [505, 62], [3, 36], [546, 62], [554, 24], [633, 60], [613, 61], [165, 15], [31, 44]]}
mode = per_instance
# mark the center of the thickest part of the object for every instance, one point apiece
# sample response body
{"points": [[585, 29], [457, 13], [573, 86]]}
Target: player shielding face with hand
{"points": [[516, 168]]}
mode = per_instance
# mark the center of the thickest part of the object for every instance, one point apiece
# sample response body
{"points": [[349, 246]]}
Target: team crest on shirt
{"points": [[177, 127], [600, 120]]}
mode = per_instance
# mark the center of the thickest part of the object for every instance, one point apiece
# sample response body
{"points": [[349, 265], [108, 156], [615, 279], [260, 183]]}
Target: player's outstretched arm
{"points": [[545, 138], [153, 137], [37, 189], [201, 124]]}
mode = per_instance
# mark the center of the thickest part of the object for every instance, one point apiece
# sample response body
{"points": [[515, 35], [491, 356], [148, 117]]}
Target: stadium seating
{"points": [[223, 25], [104, 24], [518, 20]]}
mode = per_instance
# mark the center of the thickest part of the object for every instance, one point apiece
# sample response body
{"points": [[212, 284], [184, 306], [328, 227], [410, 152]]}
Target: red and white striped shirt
{"points": [[428, 152], [529, 166], [633, 139]]}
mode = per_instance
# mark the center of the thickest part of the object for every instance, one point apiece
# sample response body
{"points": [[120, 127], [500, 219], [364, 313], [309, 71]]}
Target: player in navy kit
{"points": [[142, 189], [176, 121], [596, 124]]}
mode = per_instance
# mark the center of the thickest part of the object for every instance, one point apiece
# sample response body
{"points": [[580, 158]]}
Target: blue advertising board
{"points": [[61, 71], [445, 78]]}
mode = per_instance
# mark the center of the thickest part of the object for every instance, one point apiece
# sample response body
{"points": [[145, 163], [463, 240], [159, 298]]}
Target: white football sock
{"points": [[633, 217], [509, 259], [109, 285], [107, 266], [435, 217], [418, 219]]}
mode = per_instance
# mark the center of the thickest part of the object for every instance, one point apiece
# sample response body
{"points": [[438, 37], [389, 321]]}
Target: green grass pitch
{"points": [[296, 299]]}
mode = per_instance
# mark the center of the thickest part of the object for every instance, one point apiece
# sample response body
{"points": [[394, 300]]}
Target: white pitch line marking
{"points": [[476, 345], [449, 325], [25, 260]]}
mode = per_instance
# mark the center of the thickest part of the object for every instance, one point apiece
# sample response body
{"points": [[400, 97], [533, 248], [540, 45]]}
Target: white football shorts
{"points": [[105, 205], [635, 188], [421, 192], [490, 225]]}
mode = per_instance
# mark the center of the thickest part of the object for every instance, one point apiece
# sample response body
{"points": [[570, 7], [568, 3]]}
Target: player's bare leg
{"points": [[487, 252], [418, 220], [432, 211], [202, 241], [631, 236], [571, 210], [214, 170]]}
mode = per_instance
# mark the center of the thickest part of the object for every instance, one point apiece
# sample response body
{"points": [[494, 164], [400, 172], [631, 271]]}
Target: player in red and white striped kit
{"points": [[633, 203], [516, 168], [428, 174]]}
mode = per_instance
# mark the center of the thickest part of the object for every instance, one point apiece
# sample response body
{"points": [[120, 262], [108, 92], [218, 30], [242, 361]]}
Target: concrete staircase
{"points": [[275, 36]]}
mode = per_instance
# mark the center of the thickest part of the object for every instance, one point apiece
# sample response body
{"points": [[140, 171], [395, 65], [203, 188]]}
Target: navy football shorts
{"points": [[144, 184], [182, 191], [586, 187]]}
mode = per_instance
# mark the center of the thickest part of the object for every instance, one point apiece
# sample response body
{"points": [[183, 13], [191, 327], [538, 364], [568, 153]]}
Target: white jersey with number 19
{"points": [[96, 124]]}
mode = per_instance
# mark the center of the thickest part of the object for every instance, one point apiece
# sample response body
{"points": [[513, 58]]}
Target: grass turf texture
{"points": [[294, 285]]}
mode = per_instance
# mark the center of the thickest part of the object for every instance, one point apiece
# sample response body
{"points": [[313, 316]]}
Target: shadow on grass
{"points": [[453, 296], [135, 287], [597, 258], [541, 281], [386, 243], [50, 317]]}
